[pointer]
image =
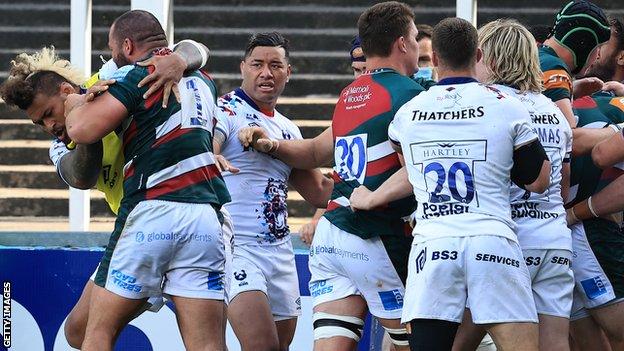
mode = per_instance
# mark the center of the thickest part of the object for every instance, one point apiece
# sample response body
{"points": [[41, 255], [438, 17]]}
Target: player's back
{"points": [[540, 218], [458, 140]]}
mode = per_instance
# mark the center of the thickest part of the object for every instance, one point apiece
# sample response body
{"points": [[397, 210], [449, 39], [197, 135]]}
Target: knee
{"points": [[74, 332]]}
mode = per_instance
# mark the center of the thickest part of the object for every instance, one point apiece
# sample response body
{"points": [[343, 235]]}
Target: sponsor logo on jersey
{"points": [[432, 210], [560, 260], [320, 288], [497, 259], [548, 136], [466, 113], [594, 287], [125, 281], [530, 210], [421, 259], [357, 94], [532, 261], [544, 118], [391, 300]]}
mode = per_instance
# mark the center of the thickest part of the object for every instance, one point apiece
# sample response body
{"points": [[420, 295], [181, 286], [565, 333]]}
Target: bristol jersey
{"points": [[363, 154], [596, 111], [540, 218], [458, 140], [259, 191], [168, 151], [556, 77]]}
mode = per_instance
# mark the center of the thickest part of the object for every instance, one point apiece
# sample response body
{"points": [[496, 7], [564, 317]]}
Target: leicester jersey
{"points": [[363, 154], [458, 140], [596, 111], [556, 75], [540, 218], [168, 151], [259, 191]]}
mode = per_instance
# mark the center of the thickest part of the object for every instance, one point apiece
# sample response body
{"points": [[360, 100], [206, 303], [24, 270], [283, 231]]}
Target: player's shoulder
{"points": [[128, 72], [231, 104], [549, 60]]}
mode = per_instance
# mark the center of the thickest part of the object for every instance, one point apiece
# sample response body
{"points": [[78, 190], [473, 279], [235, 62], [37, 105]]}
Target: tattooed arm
{"points": [[80, 167]]}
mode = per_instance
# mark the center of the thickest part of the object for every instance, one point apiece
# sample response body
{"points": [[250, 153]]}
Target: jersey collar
{"points": [[457, 80], [241, 94]]}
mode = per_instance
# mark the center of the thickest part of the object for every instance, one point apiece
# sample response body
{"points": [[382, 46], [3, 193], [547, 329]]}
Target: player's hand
{"points": [[98, 88], [72, 101], [615, 87], [361, 199], [586, 86], [307, 231], [168, 71], [224, 165], [257, 138], [571, 217]]}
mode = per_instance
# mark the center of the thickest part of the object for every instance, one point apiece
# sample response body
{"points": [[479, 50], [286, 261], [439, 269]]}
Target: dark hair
{"points": [[540, 32], [141, 27], [424, 31], [273, 39], [618, 26], [380, 25], [455, 42], [21, 92]]}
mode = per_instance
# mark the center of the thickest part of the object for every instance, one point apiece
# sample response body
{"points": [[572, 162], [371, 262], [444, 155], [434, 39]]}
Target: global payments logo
{"points": [[139, 237]]}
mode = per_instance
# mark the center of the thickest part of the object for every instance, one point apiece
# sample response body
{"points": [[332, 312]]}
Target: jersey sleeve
{"points": [[394, 129], [224, 120], [57, 150], [126, 88], [523, 132], [557, 84]]}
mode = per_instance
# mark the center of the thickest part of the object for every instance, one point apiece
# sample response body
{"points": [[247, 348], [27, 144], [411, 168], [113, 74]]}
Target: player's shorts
{"points": [[593, 286], [486, 273], [343, 264], [552, 281], [163, 247], [270, 269]]}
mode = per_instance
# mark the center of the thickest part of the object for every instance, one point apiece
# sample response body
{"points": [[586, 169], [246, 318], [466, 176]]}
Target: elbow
{"points": [[84, 184], [322, 193], [600, 158], [80, 134], [543, 180]]}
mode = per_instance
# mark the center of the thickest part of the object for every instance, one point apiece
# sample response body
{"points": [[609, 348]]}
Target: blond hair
{"points": [[510, 55], [41, 72]]}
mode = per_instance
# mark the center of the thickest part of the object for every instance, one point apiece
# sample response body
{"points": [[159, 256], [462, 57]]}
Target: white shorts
{"points": [[343, 264], [552, 281], [486, 273], [155, 303], [270, 269], [593, 287], [169, 248]]}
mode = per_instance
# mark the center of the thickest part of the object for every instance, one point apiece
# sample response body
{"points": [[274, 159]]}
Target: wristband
{"points": [[582, 211], [202, 52], [591, 208]]}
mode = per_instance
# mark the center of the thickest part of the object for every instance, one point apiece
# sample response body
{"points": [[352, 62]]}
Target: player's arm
{"points": [[89, 122], [565, 105], [394, 188], [609, 152], [299, 153], [80, 167], [531, 167], [607, 201], [586, 138], [312, 185]]}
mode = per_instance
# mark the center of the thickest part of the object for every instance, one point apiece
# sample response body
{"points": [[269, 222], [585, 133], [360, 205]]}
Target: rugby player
{"points": [[425, 64], [462, 152], [358, 260], [597, 194], [510, 61], [262, 287], [168, 222], [50, 79], [358, 65], [579, 28]]}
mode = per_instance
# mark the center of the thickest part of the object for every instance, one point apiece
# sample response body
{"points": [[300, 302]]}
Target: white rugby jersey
{"points": [[259, 190], [540, 218], [458, 140]]}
